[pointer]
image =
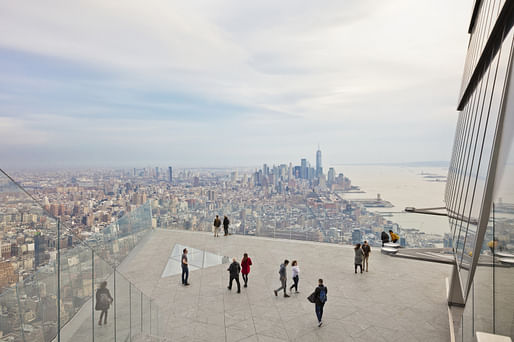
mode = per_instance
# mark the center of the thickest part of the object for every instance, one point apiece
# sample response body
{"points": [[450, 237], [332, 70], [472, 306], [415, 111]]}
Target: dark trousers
{"points": [[296, 279], [225, 229], [360, 265], [283, 281], [103, 315], [245, 278], [236, 278], [185, 274], [319, 311]]}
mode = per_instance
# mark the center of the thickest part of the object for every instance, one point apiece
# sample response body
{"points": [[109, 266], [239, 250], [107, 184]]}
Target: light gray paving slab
{"points": [[397, 300]]}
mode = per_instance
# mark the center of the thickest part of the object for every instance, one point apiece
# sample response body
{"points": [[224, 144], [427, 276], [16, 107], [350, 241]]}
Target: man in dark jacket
{"points": [[234, 270], [320, 298], [226, 222], [385, 238]]}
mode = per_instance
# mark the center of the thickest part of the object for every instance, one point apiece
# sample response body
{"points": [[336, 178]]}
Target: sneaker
{"points": [[228, 287], [239, 291], [286, 295], [320, 323], [245, 285], [187, 284], [275, 291]]}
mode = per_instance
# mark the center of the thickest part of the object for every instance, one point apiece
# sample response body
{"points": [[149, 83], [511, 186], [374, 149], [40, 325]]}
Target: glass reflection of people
{"points": [[103, 301], [493, 245]]}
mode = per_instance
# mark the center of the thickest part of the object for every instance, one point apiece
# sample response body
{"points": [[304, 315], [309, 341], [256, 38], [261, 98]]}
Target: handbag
{"points": [[312, 297]]}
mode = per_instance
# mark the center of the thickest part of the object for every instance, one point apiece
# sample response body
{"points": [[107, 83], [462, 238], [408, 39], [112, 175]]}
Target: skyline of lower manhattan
{"points": [[358, 152]]}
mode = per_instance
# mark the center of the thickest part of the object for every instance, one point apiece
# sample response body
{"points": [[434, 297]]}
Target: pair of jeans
{"points": [[319, 311], [296, 279], [185, 274], [103, 315], [283, 281], [236, 278], [365, 260], [360, 265], [245, 278]]}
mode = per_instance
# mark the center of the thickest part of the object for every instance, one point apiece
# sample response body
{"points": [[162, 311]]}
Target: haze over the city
{"points": [[228, 83]]}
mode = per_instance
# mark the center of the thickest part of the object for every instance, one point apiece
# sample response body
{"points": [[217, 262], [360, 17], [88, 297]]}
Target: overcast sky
{"points": [[228, 83]]}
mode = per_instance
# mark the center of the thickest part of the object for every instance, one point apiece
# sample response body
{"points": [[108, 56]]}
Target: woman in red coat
{"points": [[245, 268]]}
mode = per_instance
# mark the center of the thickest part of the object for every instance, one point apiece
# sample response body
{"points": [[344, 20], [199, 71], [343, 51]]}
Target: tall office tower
{"points": [[331, 176], [319, 169], [157, 172], [303, 168], [134, 174], [170, 174], [265, 170], [479, 195]]}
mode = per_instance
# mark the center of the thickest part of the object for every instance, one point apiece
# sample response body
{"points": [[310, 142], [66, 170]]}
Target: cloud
{"points": [[275, 77]]}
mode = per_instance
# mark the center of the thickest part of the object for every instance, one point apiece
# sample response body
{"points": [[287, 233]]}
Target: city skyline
{"points": [[228, 84]]}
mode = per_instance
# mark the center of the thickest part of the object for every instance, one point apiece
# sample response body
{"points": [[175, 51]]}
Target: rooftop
{"points": [[397, 300]]}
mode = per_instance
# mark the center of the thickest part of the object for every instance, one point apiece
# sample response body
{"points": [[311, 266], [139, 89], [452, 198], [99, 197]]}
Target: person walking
{"points": [[296, 276], [234, 270], [103, 301], [385, 238], [245, 268], [319, 296], [226, 222], [283, 278], [366, 249], [217, 224], [185, 267], [359, 254]]}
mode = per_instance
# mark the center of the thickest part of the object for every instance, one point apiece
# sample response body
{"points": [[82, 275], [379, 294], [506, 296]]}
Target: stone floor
{"points": [[397, 300]]}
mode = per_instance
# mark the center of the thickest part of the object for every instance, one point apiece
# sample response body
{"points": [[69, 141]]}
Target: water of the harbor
{"points": [[403, 186]]}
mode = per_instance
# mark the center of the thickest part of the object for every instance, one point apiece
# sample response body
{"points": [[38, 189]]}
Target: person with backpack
{"points": [[359, 254], [217, 224], [226, 222], [245, 268], [296, 276], [366, 249], [283, 279], [319, 298], [103, 301], [234, 270]]}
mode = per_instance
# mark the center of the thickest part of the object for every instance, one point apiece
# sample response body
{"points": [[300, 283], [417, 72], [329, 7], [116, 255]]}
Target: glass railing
{"points": [[50, 275], [349, 223]]}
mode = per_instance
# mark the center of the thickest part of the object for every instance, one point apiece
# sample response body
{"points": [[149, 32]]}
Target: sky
{"points": [[228, 83]]}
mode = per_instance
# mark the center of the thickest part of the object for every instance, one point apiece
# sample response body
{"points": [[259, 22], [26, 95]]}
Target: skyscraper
{"points": [[319, 168], [170, 174], [303, 168]]}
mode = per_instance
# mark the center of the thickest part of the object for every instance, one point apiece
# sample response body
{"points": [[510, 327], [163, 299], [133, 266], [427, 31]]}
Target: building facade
{"points": [[480, 189]]}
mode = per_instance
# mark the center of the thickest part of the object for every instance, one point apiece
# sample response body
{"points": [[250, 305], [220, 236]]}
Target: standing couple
{"points": [[217, 224]]}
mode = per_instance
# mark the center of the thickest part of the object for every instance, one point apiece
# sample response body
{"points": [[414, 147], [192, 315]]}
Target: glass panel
{"points": [[122, 307], [146, 312], [468, 331], [136, 311]]}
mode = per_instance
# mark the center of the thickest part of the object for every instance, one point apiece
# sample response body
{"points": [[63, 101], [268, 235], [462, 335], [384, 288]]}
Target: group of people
{"points": [[217, 225], [385, 237]]}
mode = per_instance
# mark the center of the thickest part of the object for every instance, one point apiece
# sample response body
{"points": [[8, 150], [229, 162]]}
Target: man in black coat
{"points": [[226, 222], [234, 270]]}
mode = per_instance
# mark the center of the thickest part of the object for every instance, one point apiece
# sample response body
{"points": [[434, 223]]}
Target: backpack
{"points": [[323, 295]]}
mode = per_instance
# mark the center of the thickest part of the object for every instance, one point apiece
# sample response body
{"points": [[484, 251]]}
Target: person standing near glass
{"points": [[359, 254], [103, 301], [366, 249], [226, 222]]}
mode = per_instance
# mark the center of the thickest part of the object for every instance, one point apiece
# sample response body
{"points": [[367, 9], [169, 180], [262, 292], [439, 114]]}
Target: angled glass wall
{"points": [[49, 277], [480, 190]]}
